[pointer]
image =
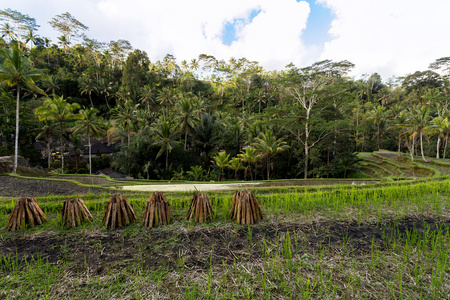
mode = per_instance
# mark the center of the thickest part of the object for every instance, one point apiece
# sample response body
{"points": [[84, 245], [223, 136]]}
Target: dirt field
{"points": [[161, 247], [19, 187]]}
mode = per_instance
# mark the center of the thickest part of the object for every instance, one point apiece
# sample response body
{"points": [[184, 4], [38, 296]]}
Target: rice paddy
{"points": [[385, 241]]}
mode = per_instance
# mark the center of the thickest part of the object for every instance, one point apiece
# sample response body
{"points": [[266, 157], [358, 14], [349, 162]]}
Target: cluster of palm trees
{"points": [[413, 125], [264, 148], [56, 112]]}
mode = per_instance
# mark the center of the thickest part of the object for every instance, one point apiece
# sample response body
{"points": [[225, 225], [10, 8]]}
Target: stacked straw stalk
{"points": [[74, 213], [26, 212], [157, 211], [200, 209], [118, 212], [245, 208]]}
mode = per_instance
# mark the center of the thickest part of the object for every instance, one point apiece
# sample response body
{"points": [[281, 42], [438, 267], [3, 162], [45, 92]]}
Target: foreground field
{"points": [[348, 242]]}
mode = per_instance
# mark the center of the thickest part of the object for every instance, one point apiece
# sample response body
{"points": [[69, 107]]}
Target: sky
{"points": [[390, 37]]}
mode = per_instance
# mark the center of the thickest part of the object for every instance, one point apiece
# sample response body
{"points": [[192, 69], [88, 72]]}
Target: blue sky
{"points": [[391, 37], [316, 32], [318, 24]]}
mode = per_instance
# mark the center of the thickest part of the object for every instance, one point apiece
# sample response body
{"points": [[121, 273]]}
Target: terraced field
{"points": [[391, 165]]}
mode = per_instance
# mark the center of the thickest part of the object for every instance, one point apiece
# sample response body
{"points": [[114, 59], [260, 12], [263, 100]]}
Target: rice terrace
{"points": [[131, 172], [381, 240]]}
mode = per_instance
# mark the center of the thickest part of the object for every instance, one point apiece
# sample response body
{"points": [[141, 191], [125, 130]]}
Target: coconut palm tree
{"points": [[222, 161], [52, 84], [420, 117], [185, 117], [401, 123], [166, 137], [268, 146], [438, 127], [260, 98], [148, 97], [249, 156], [15, 71], [235, 164], [8, 31], [59, 110], [87, 86], [378, 115], [49, 131], [90, 124], [166, 97], [126, 116]]}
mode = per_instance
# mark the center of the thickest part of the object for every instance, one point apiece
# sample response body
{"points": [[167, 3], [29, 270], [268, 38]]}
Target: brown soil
{"points": [[20, 187], [166, 248]]}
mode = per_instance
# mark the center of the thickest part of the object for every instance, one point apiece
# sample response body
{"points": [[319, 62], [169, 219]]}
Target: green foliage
{"points": [[319, 112]]}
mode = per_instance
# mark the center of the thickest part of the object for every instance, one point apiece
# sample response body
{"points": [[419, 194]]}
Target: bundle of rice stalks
{"points": [[118, 212], [74, 213], [245, 208], [26, 212], [200, 209], [157, 211]]}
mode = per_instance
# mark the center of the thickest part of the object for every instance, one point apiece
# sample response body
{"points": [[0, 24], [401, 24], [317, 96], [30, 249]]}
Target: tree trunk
{"points": [[16, 137], [306, 159], [378, 136], [438, 146], [185, 139], [61, 149], [421, 146], [268, 168], [90, 155], [90, 98], [445, 147], [167, 157], [49, 154], [411, 149]]}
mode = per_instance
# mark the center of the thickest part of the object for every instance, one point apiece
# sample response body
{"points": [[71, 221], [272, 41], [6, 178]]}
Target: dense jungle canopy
{"points": [[204, 119]]}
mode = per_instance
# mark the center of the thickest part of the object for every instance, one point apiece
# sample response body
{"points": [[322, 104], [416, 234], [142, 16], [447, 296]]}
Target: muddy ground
{"points": [[166, 248], [20, 187]]}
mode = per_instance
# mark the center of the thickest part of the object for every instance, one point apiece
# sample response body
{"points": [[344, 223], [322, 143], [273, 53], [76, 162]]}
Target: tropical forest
{"points": [[346, 175]]}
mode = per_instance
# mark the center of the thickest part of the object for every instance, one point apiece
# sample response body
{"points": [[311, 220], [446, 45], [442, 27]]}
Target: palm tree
{"points": [[148, 97], [235, 164], [125, 116], [8, 31], [420, 118], [268, 146], [378, 115], [166, 137], [438, 127], [90, 124], [401, 124], [249, 156], [87, 86], [52, 83], [15, 71], [30, 37], [166, 97], [222, 161], [196, 172], [77, 147], [62, 40], [57, 109], [186, 118], [260, 98], [194, 64], [49, 131]]}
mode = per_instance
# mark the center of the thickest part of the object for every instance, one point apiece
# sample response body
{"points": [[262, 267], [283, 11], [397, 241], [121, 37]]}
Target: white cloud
{"points": [[389, 37], [187, 28]]}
